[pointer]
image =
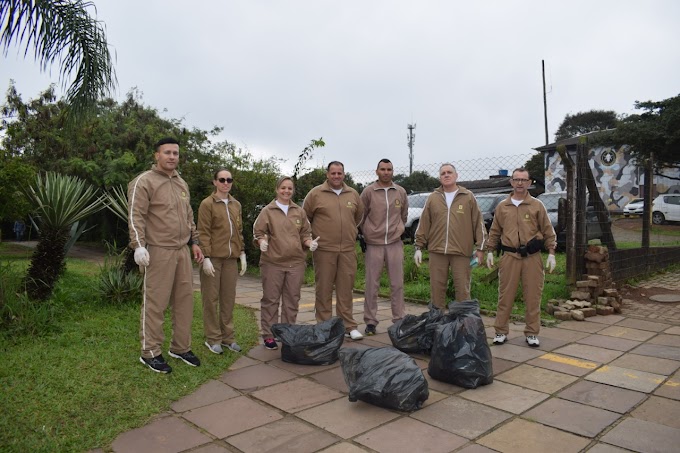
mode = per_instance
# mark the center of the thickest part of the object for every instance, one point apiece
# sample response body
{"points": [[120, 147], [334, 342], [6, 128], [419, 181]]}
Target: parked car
{"points": [[487, 204], [666, 208], [551, 202], [634, 207], [416, 203]]}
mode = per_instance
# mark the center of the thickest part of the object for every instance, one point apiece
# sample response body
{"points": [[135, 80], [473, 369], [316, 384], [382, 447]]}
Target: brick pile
{"points": [[596, 295]]}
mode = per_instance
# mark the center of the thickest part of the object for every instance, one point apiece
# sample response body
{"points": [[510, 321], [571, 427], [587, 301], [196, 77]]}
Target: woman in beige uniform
{"points": [[220, 234], [282, 232]]}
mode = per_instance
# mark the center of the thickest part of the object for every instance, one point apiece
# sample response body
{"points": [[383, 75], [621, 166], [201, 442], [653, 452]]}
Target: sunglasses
{"points": [[223, 180]]}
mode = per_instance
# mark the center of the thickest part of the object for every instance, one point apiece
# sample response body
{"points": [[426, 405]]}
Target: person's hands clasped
{"points": [[208, 268], [418, 258], [489, 260], [244, 265], [314, 244], [550, 263], [142, 257]]}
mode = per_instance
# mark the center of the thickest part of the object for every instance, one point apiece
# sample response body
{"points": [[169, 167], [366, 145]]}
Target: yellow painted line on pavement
{"points": [[672, 384], [360, 299], [569, 361]]}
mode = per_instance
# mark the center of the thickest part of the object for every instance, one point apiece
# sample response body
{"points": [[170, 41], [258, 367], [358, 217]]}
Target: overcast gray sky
{"points": [[276, 74]]}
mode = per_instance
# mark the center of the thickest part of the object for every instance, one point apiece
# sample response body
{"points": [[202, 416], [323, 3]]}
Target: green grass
{"points": [[417, 282], [80, 386]]}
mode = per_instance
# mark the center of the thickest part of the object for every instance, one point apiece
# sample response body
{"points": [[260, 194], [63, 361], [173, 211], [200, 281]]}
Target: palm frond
{"points": [[62, 30]]}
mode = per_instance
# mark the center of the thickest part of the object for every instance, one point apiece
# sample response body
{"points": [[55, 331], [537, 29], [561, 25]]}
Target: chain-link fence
{"points": [[594, 196]]}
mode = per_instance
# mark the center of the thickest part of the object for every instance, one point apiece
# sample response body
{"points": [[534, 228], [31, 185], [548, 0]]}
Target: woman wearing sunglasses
{"points": [[220, 229], [283, 233]]}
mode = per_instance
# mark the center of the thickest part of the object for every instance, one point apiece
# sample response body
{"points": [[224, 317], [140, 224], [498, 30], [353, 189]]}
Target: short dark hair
{"points": [[521, 169], [335, 162], [165, 141], [383, 161], [220, 170]]}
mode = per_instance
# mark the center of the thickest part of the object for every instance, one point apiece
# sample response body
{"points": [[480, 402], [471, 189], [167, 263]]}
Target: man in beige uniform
{"points": [[522, 227], [335, 210], [452, 228], [161, 224], [385, 212]]}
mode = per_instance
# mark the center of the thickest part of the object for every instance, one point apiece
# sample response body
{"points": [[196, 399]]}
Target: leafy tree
{"points": [[307, 182], [584, 122], [60, 201], [13, 174], [64, 31], [418, 181], [536, 166], [656, 130]]}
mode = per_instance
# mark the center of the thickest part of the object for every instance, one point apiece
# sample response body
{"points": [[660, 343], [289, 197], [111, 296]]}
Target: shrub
{"points": [[115, 285]]}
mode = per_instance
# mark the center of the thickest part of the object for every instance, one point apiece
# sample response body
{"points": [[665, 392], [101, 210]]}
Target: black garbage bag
{"points": [[461, 354], [414, 334], [311, 344], [384, 377]]}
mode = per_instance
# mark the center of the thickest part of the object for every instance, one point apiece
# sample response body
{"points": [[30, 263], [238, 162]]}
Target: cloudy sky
{"points": [[276, 74]]}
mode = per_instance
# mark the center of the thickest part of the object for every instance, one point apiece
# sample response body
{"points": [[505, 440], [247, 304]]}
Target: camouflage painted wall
{"points": [[616, 174]]}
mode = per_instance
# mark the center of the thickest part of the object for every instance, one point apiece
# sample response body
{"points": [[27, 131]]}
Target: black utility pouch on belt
{"points": [[534, 246]]}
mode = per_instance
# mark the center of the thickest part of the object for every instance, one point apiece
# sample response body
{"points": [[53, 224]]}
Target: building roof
{"points": [[568, 142]]}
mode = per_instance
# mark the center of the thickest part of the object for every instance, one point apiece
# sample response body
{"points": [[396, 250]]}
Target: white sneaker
{"points": [[215, 348], [532, 340], [354, 335], [499, 338]]}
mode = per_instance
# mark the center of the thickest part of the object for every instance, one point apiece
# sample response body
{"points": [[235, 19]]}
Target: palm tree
{"points": [[60, 202], [62, 30], [117, 203]]}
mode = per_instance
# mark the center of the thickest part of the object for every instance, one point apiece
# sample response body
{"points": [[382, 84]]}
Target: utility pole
{"points": [[411, 139], [545, 103]]}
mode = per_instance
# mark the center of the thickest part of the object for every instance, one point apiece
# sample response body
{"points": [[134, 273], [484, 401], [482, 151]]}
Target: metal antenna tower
{"points": [[411, 139]]}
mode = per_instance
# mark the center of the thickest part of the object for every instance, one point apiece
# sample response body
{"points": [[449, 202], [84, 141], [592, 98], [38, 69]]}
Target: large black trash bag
{"points": [[461, 354], [414, 334], [384, 377], [311, 345]]}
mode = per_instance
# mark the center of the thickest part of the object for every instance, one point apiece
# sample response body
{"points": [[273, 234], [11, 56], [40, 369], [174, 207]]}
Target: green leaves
{"points": [[62, 30], [63, 200]]}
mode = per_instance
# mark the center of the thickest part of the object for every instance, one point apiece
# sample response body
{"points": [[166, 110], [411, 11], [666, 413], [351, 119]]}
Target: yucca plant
{"points": [[60, 202], [117, 203]]}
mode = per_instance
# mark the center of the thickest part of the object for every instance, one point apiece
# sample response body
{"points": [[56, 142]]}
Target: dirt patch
{"points": [[635, 224], [641, 295]]}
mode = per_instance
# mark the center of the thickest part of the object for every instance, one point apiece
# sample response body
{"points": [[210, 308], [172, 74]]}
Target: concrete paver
{"points": [[507, 397], [288, 434], [407, 434], [462, 417], [231, 416], [535, 378], [521, 436], [296, 395], [626, 378], [643, 436], [572, 417], [659, 410], [613, 399], [165, 435], [607, 383]]}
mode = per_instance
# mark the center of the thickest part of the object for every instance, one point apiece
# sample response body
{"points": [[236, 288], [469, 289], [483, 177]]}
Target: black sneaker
{"points": [[188, 357], [370, 330], [270, 343], [157, 364]]}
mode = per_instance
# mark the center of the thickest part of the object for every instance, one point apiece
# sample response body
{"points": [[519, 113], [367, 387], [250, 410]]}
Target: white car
{"points": [[666, 208], [634, 207], [416, 203]]}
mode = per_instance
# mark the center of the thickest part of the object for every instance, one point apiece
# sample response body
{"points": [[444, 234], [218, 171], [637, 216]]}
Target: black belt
{"points": [[522, 250]]}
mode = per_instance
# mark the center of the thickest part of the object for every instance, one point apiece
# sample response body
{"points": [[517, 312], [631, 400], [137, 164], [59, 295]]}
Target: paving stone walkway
{"points": [[607, 384]]}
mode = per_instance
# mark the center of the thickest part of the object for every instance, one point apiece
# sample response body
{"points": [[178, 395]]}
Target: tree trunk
{"points": [[47, 263]]}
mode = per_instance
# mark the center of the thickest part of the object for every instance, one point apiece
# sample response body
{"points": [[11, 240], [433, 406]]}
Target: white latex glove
{"points": [[142, 256], [550, 263], [418, 258], [264, 244], [208, 268], [489, 260], [315, 244], [244, 266]]}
